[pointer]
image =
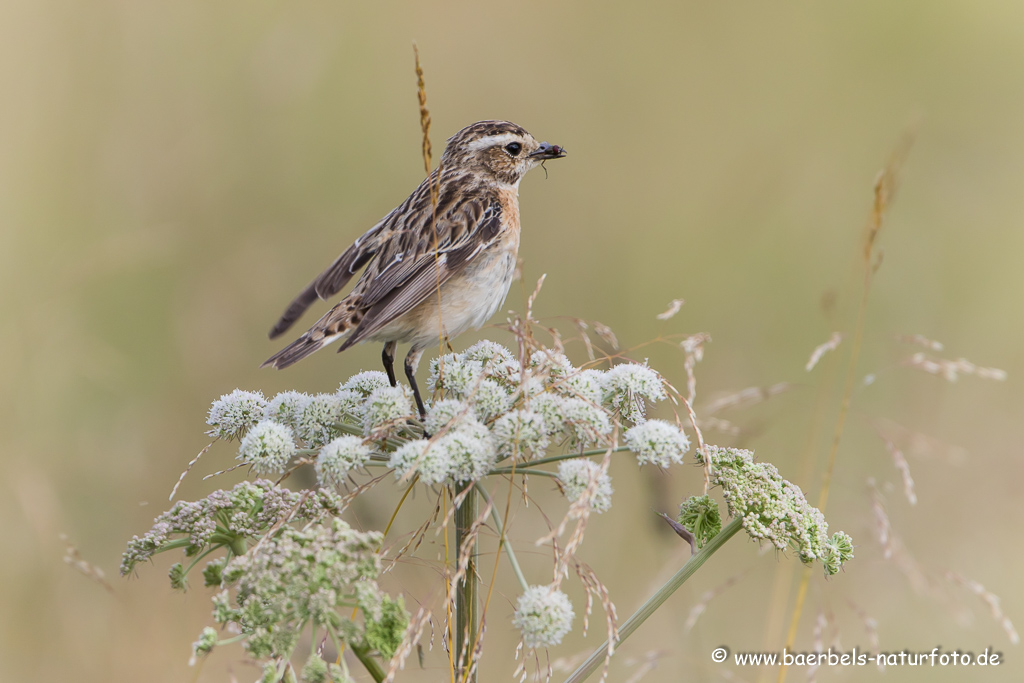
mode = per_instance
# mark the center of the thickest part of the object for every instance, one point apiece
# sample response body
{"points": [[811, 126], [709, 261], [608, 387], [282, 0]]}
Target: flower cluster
{"points": [[544, 615], [774, 509], [629, 384], [339, 457], [581, 477], [232, 415], [385, 409], [291, 565], [658, 442], [292, 578], [464, 452], [299, 577], [268, 447], [700, 515], [227, 518], [314, 577], [272, 432], [490, 407]]}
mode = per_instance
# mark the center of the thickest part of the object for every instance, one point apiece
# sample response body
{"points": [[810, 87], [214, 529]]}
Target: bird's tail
{"points": [[298, 349], [333, 326]]}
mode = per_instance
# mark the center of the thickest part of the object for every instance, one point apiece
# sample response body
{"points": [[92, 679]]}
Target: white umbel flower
{"points": [[629, 384], [455, 375], [470, 451], [508, 373], [579, 475], [351, 402], [551, 408], [443, 412], [339, 457], [423, 456], [319, 417], [489, 399], [589, 422], [543, 615], [658, 442], [488, 352], [385, 407], [366, 382], [287, 408], [551, 363], [520, 431], [586, 384], [268, 447], [232, 415]]}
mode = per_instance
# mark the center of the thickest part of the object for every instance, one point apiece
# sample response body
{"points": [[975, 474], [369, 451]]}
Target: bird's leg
{"points": [[388, 356], [412, 361]]}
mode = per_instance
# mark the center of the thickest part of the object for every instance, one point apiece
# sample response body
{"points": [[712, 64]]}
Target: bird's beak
{"points": [[548, 151]]}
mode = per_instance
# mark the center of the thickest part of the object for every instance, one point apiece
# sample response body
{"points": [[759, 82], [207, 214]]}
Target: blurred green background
{"points": [[172, 173]]}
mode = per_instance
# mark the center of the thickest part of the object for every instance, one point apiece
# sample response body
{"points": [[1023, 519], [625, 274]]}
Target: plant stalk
{"points": [[362, 653], [503, 543], [648, 608], [467, 595]]}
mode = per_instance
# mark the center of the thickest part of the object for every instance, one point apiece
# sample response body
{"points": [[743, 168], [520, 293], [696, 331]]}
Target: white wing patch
{"points": [[397, 259]]}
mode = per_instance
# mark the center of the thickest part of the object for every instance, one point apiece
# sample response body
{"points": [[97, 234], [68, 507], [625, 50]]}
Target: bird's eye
{"points": [[513, 148]]}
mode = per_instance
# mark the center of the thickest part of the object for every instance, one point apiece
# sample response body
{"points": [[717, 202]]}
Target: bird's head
{"points": [[499, 148]]}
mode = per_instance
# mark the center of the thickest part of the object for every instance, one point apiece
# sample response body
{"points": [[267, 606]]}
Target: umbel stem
{"points": [[648, 608], [467, 597]]}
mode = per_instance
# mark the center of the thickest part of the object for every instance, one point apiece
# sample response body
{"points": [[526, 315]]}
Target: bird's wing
{"points": [[416, 269], [337, 275], [383, 237]]}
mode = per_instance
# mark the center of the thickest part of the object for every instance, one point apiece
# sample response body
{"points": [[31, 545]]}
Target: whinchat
{"points": [[431, 269]]}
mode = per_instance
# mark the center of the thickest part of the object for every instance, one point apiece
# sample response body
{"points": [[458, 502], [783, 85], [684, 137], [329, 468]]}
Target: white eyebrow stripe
{"points": [[492, 140]]}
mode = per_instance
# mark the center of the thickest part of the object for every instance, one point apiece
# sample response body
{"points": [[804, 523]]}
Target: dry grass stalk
{"points": [[919, 444], [894, 549], [579, 510], [421, 94], [820, 625], [645, 664], [569, 664], [581, 327], [413, 635], [831, 345], [919, 340], [885, 188], [225, 471], [882, 525], [74, 559], [605, 333], [593, 587], [745, 398], [904, 469], [693, 350], [413, 544], [719, 425], [952, 369], [541, 672], [188, 468], [701, 605], [886, 185], [435, 188], [870, 624], [672, 309], [990, 599]]}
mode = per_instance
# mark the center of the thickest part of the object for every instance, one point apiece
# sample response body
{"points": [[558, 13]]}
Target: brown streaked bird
{"points": [[396, 298]]}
